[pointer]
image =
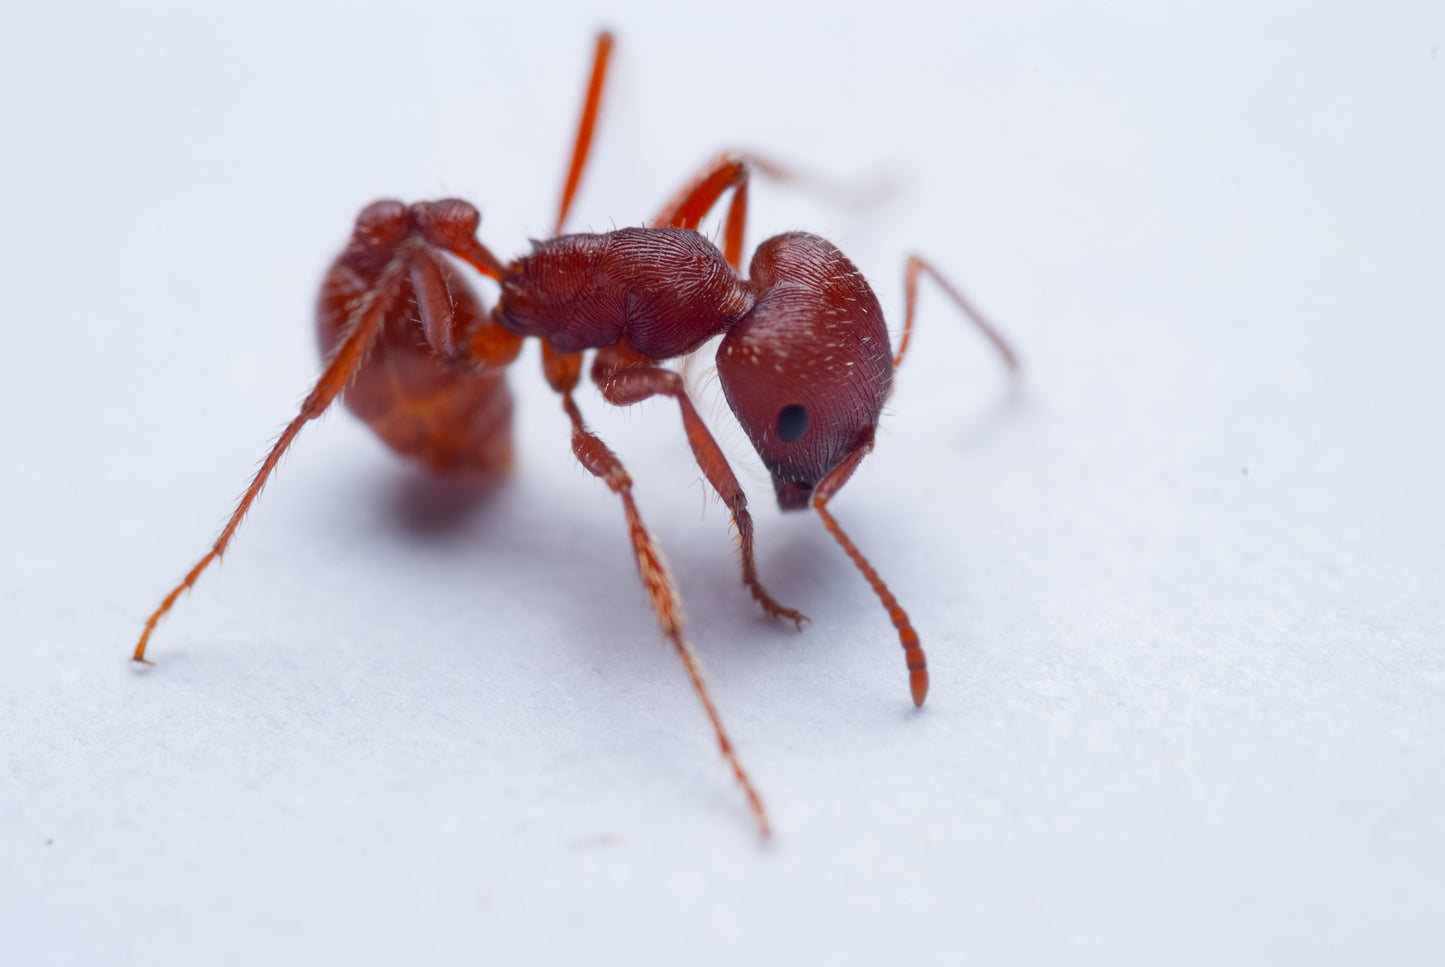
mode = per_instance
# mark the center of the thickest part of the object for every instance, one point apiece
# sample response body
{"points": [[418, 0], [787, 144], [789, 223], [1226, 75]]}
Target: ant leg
{"points": [[474, 343], [734, 170], [585, 126], [692, 203], [907, 636], [347, 358], [563, 373], [623, 384], [688, 208], [915, 267]]}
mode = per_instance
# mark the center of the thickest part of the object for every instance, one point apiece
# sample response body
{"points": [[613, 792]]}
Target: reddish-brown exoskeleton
{"points": [[804, 360]]}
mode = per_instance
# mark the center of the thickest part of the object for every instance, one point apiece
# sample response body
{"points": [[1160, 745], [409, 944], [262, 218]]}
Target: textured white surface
{"points": [[1181, 593]]}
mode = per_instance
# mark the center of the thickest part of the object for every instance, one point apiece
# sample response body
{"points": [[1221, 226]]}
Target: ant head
{"points": [[808, 368]]}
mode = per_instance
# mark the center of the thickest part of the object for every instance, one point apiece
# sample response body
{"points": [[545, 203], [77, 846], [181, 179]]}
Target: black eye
{"points": [[792, 422]]}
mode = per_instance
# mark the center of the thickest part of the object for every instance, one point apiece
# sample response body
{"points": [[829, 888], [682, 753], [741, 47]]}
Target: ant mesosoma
{"points": [[804, 360]]}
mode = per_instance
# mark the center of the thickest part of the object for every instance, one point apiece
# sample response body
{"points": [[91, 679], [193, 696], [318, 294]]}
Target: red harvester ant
{"points": [[804, 360]]}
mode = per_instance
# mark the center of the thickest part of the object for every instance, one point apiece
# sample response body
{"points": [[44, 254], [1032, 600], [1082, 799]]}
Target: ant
{"points": [[804, 360]]}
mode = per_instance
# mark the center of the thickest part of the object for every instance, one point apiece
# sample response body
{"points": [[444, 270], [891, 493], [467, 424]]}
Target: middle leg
{"points": [[563, 373], [625, 378]]}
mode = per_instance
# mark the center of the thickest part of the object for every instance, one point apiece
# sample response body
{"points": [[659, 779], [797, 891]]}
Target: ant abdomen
{"points": [[808, 369], [448, 418]]}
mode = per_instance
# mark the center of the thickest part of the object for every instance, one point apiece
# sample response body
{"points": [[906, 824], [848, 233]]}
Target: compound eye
{"points": [[792, 422]]}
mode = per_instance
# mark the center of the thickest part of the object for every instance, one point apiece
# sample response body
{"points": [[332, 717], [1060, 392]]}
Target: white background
{"points": [[1181, 591]]}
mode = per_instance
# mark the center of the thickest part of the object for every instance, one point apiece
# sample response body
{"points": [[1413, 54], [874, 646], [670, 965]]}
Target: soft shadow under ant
{"points": [[430, 506]]}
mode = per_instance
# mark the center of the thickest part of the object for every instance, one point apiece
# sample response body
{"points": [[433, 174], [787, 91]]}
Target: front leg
{"points": [[626, 378]]}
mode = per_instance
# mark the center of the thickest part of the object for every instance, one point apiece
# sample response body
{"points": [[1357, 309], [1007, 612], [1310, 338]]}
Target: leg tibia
{"points": [[628, 384], [356, 340], [660, 586]]}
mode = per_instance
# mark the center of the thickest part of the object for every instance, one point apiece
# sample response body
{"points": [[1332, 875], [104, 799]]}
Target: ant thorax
{"points": [[663, 291]]}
